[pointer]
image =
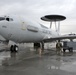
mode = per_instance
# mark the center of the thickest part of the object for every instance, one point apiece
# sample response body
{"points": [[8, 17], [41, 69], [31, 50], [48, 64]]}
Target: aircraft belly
{"points": [[31, 37]]}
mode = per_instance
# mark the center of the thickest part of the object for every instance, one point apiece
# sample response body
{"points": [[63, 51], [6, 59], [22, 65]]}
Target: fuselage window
{"points": [[2, 18], [9, 19]]}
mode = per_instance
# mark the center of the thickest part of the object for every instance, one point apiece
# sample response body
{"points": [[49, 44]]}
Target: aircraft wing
{"points": [[60, 38]]}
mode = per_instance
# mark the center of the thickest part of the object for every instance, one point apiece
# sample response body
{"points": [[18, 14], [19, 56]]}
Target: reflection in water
{"points": [[13, 55], [66, 63], [58, 62], [61, 61], [39, 51], [68, 54], [8, 61]]}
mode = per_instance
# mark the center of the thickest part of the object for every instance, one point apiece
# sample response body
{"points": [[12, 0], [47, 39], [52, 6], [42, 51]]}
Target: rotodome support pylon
{"points": [[54, 18]]}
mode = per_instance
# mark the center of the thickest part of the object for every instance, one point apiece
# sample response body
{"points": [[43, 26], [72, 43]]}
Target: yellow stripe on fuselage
{"points": [[23, 26]]}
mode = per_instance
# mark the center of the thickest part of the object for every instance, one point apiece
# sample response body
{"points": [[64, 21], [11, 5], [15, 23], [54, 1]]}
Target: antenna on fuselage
{"points": [[54, 19]]}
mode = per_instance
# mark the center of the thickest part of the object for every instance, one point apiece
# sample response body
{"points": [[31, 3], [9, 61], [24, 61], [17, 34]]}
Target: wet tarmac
{"points": [[28, 62]]}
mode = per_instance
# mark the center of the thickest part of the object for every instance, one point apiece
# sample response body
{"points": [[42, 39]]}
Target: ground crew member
{"points": [[58, 47]]}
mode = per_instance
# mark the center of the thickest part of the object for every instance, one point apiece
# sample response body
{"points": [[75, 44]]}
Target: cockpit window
{"points": [[2, 18], [6, 18], [9, 19]]}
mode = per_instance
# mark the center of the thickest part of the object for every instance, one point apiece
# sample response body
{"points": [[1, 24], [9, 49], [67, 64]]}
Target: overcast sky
{"points": [[38, 8]]}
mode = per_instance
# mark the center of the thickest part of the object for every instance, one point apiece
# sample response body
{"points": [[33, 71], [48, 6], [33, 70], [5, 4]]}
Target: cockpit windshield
{"points": [[9, 19], [2, 18], [6, 18]]}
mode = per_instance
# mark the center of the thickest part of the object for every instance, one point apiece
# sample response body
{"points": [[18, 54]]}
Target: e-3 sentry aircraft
{"points": [[21, 30]]}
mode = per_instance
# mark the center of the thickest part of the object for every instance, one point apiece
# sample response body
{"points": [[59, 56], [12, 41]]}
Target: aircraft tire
{"points": [[11, 48], [36, 45], [15, 48]]}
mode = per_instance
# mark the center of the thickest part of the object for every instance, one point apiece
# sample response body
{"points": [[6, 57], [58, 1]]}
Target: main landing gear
{"points": [[14, 48], [39, 45]]}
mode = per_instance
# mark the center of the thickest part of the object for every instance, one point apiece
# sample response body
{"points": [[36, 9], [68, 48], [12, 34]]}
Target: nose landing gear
{"points": [[14, 48]]}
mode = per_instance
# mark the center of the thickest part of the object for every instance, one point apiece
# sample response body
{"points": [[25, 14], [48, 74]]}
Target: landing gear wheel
{"points": [[36, 45], [14, 48], [64, 50], [11, 48]]}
